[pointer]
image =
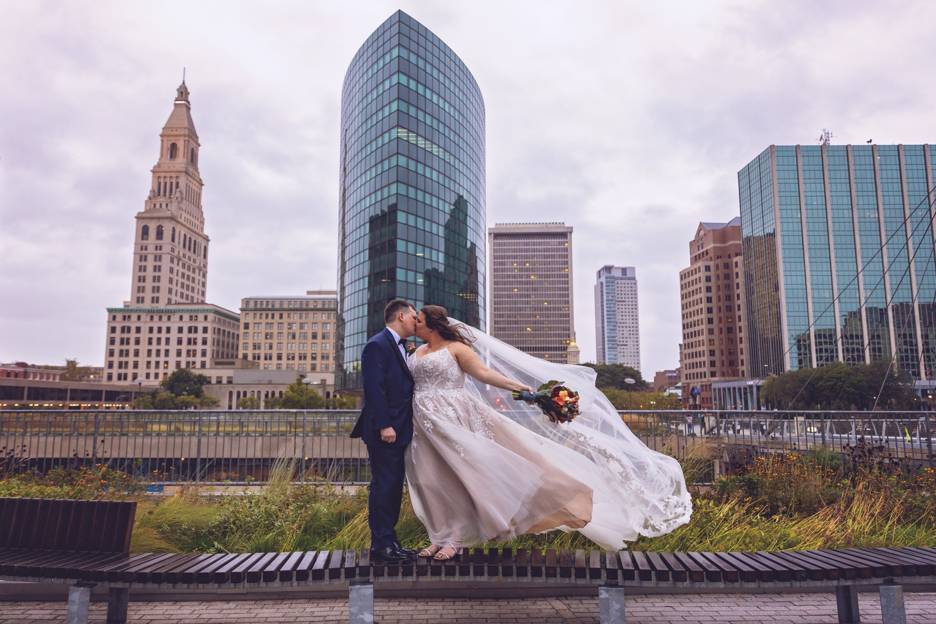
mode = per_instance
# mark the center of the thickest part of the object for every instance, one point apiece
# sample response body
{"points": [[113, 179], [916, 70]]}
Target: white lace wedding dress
{"points": [[482, 467]]}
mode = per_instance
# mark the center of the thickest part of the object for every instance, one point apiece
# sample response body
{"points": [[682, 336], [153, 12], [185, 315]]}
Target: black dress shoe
{"points": [[406, 551], [388, 554]]}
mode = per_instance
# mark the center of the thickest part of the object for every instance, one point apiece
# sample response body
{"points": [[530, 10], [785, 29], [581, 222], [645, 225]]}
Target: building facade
{"points": [[146, 344], [712, 312], [531, 288], [617, 318], [166, 324], [666, 378], [839, 257], [412, 185], [291, 333]]}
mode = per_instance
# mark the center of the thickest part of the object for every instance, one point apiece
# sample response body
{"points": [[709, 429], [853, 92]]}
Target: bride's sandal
{"points": [[429, 551], [446, 553]]}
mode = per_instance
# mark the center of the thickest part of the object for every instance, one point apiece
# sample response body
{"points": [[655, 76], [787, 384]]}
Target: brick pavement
{"points": [[655, 609]]}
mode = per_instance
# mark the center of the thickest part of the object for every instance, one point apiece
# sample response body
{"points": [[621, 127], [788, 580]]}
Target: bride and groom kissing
{"points": [[478, 472]]}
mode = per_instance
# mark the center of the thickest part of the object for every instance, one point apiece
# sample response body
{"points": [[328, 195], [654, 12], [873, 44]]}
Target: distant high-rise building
{"points": [[412, 204], [711, 298], [166, 324], [617, 319], [291, 333], [839, 260], [531, 288]]}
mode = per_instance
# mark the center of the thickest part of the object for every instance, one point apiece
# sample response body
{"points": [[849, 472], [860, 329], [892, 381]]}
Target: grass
{"points": [[777, 502]]}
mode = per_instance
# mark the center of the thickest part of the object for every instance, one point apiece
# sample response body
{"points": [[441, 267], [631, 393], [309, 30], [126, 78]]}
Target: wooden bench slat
{"points": [[222, 571], [551, 568], [628, 571], [335, 562], [902, 565], [239, 572], [713, 573], [566, 563], [109, 572], [642, 566], [730, 573], [680, 575], [745, 571], [595, 564], [364, 564], [662, 572], [255, 572], [159, 573], [762, 572], [522, 562], [317, 571], [785, 570], [850, 566], [174, 575], [924, 566], [695, 571], [271, 572], [816, 571], [884, 564], [507, 563], [200, 569], [350, 564], [537, 563]]}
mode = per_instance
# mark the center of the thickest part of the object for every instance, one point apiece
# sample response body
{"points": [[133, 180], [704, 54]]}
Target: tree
{"points": [[639, 399], [615, 376], [184, 381], [75, 372], [839, 386], [248, 402], [298, 395], [183, 389]]}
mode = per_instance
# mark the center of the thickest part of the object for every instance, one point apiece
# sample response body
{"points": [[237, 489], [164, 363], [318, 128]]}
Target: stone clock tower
{"points": [[170, 250]]}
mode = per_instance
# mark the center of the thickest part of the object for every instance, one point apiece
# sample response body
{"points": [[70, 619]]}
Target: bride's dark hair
{"points": [[437, 320]]}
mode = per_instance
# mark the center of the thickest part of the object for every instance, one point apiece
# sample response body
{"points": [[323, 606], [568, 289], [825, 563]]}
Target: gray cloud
{"points": [[626, 120]]}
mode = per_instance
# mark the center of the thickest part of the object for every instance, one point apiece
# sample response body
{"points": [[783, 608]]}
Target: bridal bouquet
{"points": [[557, 401]]}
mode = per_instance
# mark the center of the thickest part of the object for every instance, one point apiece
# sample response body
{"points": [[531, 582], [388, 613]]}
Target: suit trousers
{"points": [[386, 492]]}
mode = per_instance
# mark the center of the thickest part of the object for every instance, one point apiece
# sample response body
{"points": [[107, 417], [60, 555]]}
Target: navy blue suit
{"points": [[388, 402]]}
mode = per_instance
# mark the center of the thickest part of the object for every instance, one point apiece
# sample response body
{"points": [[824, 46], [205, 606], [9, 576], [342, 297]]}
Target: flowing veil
{"points": [[636, 490]]}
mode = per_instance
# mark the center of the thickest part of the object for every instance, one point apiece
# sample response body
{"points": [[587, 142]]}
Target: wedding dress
{"points": [[485, 468]]}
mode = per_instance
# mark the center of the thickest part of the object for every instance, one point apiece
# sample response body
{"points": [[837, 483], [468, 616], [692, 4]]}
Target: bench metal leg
{"points": [[892, 605], [611, 605], [79, 599], [361, 603], [117, 601], [846, 597]]}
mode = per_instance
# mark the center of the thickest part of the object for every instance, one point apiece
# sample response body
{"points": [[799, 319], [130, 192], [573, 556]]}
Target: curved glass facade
{"points": [[412, 205]]}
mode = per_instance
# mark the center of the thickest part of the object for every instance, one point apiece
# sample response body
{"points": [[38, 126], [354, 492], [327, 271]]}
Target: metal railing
{"points": [[245, 445]]}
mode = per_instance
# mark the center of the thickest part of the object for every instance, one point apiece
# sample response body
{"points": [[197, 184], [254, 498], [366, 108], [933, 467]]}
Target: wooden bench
{"points": [[51, 538], [611, 574]]}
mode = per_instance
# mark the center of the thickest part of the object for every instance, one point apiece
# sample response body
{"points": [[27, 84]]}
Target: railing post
{"points": [[198, 449], [94, 440]]}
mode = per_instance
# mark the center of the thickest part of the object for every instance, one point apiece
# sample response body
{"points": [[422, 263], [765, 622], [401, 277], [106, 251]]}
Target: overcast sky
{"points": [[627, 120]]}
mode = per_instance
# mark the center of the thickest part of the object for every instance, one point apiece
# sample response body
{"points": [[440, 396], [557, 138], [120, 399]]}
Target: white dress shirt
{"points": [[396, 338]]}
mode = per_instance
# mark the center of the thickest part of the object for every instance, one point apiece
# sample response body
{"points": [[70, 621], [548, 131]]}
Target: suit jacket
{"points": [[388, 392]]}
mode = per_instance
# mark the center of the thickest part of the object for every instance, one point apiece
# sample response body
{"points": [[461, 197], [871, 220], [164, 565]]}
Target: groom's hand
{"points": [[388, 435]]}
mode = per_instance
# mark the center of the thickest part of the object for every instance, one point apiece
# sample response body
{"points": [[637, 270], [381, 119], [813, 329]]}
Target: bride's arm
{"points": [[469, 362]]}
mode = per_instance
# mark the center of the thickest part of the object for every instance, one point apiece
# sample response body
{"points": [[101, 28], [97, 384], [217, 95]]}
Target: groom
{"points": [[386, 426]]}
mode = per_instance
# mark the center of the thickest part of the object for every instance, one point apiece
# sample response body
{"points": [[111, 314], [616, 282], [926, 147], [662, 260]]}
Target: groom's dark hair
{"points": [[393, 308]]}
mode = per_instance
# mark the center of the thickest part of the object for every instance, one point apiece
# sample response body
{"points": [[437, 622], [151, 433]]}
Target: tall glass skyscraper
{"points": [[838, 253], [412, 205]]}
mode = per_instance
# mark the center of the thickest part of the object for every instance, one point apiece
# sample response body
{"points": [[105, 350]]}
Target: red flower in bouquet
{"points": [[560, 403]]}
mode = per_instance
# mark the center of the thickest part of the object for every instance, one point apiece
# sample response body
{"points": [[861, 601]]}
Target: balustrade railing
{"points": [[245, 445]]}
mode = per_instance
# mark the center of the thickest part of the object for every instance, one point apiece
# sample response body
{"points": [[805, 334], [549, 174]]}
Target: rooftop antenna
{"points": [[183, 74], [826, 137]]}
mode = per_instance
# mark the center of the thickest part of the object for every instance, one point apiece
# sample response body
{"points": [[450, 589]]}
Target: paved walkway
{"points": [[747, 608]]}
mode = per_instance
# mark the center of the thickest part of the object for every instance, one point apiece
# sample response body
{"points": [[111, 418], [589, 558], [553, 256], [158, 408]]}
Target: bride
{"points": [[482, 467]]}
